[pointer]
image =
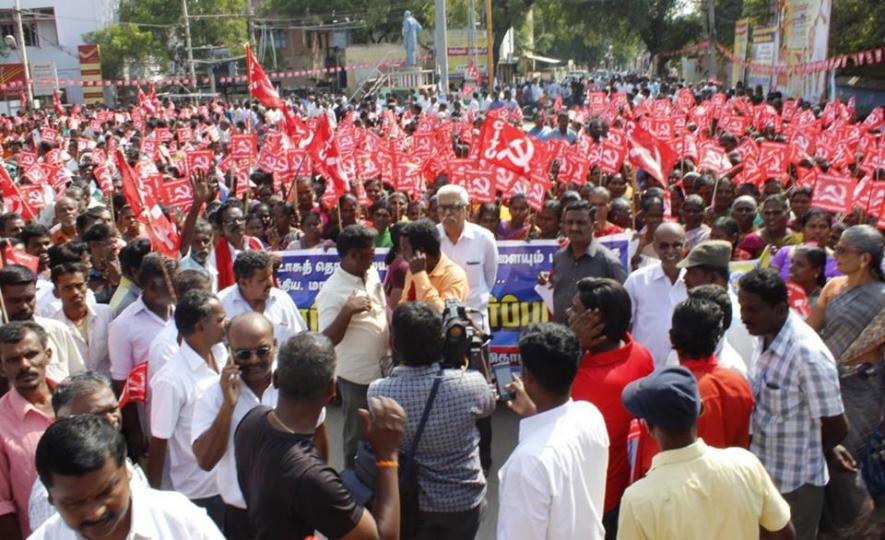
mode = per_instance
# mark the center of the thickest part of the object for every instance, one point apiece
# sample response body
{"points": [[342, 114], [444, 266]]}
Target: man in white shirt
{"points": [[351, 309], [245, 383], [19, 288], [198, 255], [475, 250], [88, 323], [471, 247], [199, 317], [655, 290], [165, 345], [130, 336], [553, 484], [82, 462], [254, 291], [84, 393]]}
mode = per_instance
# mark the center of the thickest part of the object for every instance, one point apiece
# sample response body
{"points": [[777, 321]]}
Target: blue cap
{"points": [[667, 398]]}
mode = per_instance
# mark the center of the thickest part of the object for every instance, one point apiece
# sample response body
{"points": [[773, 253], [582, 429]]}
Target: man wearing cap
{"points": [[706, 264], [694, 491]]}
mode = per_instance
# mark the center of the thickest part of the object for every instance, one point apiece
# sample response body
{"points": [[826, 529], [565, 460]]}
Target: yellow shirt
{"points": [[446, 280], [700, 492]]}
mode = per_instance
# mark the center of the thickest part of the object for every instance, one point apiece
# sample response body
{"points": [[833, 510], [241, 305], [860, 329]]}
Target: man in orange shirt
{"points": [[727, 397], [432, 277]]}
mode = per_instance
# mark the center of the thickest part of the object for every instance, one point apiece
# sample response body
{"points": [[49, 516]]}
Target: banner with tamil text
{"points": [[513, 305]]}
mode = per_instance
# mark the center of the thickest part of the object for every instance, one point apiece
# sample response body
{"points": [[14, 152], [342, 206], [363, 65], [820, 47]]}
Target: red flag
{"points": [[13, 200], [103, 178], [480, 184], [507, 146], [199, 160], [56, 103], [875, 120], [178, 193], [651, 154], [834, 193], [260, 86], [135, 388], [145, 103], [160, 230], [14, 256]]}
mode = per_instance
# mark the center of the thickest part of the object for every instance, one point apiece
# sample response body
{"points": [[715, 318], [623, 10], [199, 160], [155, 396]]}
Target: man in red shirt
{"points": [[600, 316], [727, 397]]}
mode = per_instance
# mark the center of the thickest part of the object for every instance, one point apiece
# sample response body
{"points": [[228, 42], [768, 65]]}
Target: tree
{"points": [[226, 26], [381, 20], [123, 44]]}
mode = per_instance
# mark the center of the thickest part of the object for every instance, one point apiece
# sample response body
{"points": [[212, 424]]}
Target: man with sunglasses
{"points": [[656, 289], [245, 383], [200, 319]]}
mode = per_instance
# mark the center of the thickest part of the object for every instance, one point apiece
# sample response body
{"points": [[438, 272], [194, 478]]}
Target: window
{"points": [[7, 28], [279, 39]]}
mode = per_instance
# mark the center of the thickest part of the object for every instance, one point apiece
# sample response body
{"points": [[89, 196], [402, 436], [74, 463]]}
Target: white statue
{"points": [[411, 27]]}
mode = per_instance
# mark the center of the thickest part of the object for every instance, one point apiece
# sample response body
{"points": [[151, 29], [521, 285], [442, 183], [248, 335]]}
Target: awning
{"points": [[539, 58]]}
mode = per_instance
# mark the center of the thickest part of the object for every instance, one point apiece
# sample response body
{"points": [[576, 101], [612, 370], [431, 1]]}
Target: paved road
{"points": [[504, 428]]}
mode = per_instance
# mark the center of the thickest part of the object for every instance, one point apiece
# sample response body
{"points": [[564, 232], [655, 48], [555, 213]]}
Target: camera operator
{"points": [[451, 481], [432, 277]]}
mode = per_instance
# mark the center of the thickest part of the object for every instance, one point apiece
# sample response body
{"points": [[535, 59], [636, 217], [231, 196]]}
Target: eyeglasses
{"points": [[244, 355], [448, 208], [672, 245]]}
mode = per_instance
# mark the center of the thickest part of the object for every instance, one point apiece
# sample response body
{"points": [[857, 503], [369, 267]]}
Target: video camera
{"points": [[462, 340]]}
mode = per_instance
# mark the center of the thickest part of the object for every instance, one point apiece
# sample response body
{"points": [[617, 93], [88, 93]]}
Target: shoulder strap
{"points": [[426, 414]]}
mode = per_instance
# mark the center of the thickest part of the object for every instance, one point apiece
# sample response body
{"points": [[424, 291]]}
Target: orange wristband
{"points": [[387, 463]]}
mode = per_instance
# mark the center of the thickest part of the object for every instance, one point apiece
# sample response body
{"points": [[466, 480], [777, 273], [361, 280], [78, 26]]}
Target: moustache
{"points": [[107, 518], [25, 374]]}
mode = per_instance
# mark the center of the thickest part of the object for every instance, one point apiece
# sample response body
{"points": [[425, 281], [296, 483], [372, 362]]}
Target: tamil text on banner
{"points": [[513, 305]]}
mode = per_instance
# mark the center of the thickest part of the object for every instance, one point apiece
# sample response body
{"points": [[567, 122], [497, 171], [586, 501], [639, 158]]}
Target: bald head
{"points": [[668, 229], [247, 329]]}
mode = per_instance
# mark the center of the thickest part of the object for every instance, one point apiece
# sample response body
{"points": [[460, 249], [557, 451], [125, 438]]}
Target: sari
{"points": [[848, 316]]}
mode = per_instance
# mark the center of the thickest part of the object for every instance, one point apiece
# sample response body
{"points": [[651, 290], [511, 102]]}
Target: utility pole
{"points": [[471, 31], [250, 24], [442, 46], [190, 47], [23, 53], [490, 46]]}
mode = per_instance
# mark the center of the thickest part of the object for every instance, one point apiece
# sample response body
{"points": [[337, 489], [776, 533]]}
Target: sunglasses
{"points": [[244, 355]]}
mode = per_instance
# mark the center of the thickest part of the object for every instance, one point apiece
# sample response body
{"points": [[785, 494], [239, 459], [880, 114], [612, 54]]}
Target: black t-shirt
{"points": [[289, 490]]}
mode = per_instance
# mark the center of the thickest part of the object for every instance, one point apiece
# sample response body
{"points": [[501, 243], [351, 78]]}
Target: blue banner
{"points": [[513, 305]]}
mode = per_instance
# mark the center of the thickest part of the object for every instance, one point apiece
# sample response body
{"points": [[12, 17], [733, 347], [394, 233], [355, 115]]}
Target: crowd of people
{"points": [[158, 382]]}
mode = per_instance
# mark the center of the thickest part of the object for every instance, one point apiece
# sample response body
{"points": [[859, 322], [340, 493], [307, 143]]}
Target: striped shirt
{"points": [[796, 384]]}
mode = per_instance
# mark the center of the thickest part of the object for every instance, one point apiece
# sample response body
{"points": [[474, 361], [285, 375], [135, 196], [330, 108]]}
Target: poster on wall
{"points": [[804, 29], [762, 51], [741, 40]]}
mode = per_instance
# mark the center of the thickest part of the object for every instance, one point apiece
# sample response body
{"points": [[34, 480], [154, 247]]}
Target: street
{"points": [[505, 426]]}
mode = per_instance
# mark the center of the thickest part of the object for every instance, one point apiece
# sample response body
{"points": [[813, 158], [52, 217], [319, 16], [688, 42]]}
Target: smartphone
{"points": [[503, 377]]}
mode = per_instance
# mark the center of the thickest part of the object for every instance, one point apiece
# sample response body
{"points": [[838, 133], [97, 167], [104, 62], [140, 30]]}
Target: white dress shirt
{"points": [[553, 484], [163, 348], [476, 252], [365, 346], [739, 337], [66, 359], [279, 309], [653, 297], [130, 336], [174, 395], [94, 347], [156, 515], [209, 402]]}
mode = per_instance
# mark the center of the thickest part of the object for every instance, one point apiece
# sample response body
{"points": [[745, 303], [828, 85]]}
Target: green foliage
{"points": [[227, 31], [856, 25], [383, 19], [125, 43]]}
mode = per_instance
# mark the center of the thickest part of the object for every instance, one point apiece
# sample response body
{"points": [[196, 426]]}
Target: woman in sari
{"points": [[845, 316]]}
